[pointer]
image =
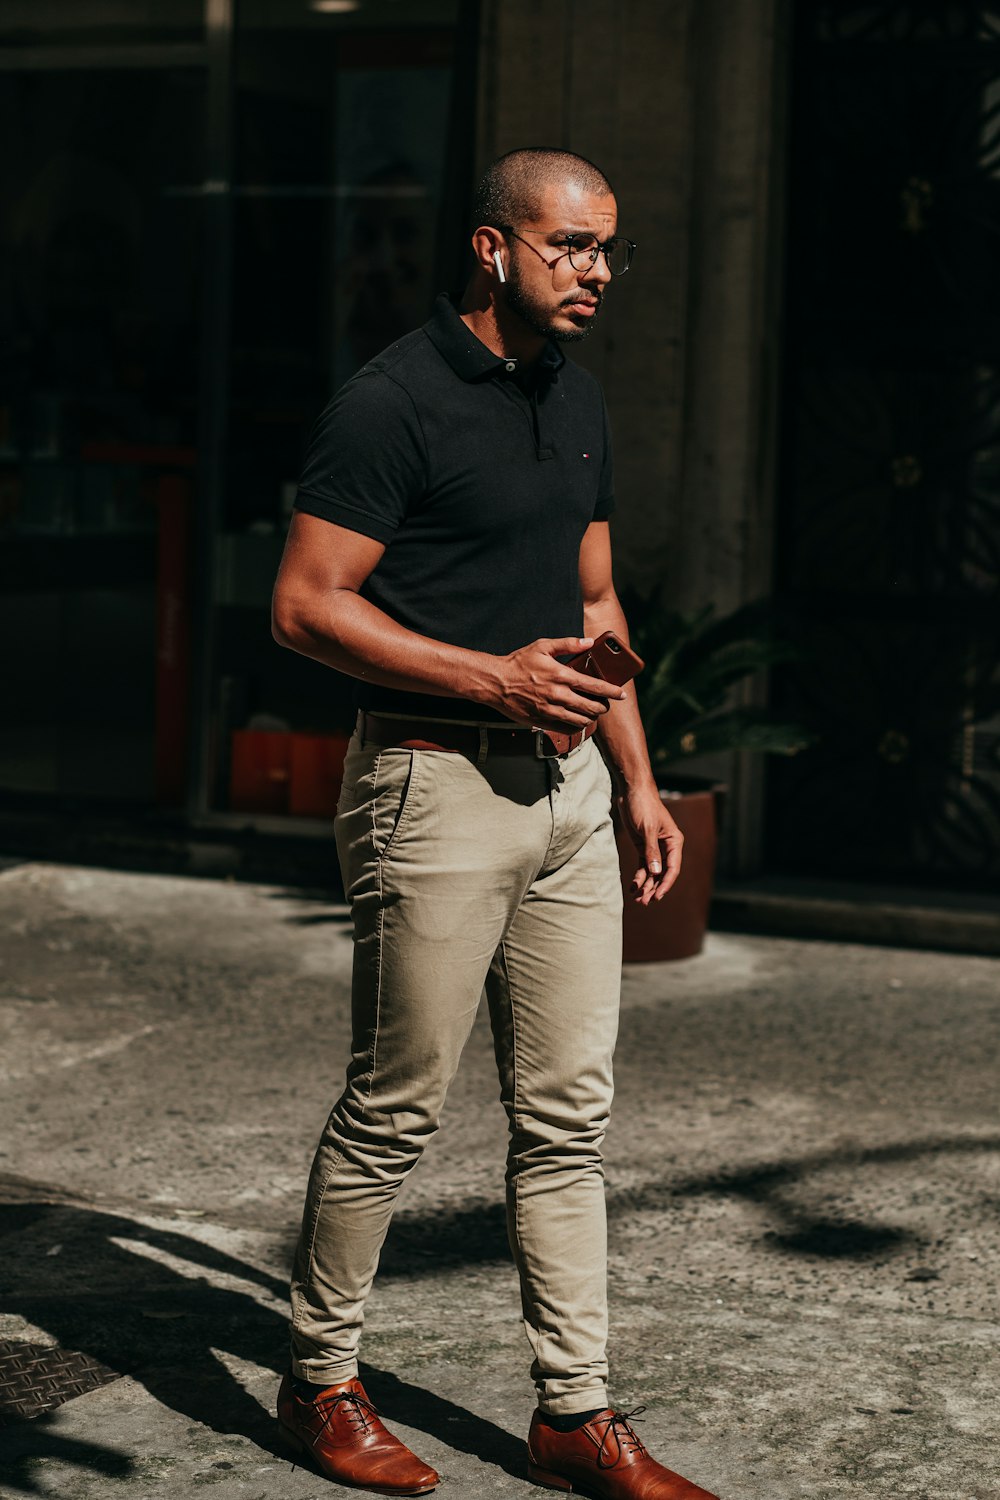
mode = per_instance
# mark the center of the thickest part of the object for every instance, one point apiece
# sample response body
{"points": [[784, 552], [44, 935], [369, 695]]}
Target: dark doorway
{"points": [[889, 519]]}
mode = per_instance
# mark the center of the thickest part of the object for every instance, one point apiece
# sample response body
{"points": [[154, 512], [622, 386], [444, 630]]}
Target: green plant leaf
{"points": [[741, 729], [693, 663]]}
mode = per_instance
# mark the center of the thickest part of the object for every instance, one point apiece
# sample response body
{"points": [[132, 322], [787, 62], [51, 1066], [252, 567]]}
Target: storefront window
{"points": [[163, 362], [99, 302]]}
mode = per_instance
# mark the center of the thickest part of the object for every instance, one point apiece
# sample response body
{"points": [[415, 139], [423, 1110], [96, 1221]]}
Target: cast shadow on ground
{"points": [[27, 1444], [114, 1289], [104, 1295], [476, 1235], [793, 1228]]}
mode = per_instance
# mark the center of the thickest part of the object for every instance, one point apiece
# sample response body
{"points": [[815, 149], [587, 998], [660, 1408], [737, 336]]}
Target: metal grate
{"points": [[35, 1378]]}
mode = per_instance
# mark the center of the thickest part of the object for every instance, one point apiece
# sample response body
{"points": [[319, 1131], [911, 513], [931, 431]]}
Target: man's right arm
{"points": [[318, 611]]}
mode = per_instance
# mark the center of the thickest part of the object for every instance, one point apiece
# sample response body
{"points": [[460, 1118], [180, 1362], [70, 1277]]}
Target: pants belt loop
{"points": [[484, 747]]}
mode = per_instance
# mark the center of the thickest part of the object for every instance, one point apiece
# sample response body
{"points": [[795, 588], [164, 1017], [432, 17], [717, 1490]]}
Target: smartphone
{"points": [[609, 658]]}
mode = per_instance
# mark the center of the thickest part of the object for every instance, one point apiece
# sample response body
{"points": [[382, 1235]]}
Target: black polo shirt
{"points": [[481, 482]]}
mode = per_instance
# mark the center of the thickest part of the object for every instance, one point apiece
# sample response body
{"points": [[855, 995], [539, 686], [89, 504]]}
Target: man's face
{"points": [[543, 288]]}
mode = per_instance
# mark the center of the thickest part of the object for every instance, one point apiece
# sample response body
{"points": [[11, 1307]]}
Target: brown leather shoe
{"points": [[339, 1429], [605, 1460]]}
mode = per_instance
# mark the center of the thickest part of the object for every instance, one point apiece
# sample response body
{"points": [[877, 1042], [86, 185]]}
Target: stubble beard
{"points": [[528, 311]]}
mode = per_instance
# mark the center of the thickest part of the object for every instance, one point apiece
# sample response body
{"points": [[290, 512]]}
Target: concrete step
{"points": [[894, 916]]}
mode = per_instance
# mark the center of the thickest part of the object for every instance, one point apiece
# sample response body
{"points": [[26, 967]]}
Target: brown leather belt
{"points": [[477, 741]]}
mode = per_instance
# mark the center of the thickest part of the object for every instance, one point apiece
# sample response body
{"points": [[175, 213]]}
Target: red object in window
{"points": [[317, 772], [260, 771]]}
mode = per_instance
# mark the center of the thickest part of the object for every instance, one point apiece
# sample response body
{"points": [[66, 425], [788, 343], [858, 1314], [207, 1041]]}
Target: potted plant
{"points": [[693, 663]]}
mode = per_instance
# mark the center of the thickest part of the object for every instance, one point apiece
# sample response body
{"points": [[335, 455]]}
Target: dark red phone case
{"points": [[617, 666]]}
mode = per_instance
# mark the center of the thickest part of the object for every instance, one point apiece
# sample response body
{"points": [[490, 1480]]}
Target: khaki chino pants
{"points": [[503, 876]]}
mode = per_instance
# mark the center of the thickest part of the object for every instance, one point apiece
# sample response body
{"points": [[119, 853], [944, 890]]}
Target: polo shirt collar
{"points": [[469, 356]]}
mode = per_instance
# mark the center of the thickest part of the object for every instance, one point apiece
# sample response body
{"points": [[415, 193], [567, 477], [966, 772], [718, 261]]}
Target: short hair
{"points": [[510, 189]]}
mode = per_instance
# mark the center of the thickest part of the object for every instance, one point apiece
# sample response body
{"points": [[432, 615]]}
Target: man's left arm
{"points": [[654, 832]]}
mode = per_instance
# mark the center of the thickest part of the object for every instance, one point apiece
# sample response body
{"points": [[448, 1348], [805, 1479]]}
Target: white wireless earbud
{"points": [[499, 265]]}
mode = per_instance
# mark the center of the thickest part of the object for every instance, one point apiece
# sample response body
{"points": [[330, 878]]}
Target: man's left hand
{"points": [[658, 840]]}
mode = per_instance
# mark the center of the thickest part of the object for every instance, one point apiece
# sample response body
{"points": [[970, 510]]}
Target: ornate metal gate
{"points": [[889, 515]]}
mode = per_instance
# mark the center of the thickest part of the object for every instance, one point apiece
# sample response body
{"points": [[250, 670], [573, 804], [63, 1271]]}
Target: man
{"points": [[450, 545]]}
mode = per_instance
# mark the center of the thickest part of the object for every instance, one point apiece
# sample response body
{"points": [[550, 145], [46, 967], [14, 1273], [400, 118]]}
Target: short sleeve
{"points": [[366, 461], [605, 503]]}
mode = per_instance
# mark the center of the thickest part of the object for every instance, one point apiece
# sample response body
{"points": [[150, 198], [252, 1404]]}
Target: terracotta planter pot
{"points": [[259, 771], [284, 772], [674, 927], [317, 773]]}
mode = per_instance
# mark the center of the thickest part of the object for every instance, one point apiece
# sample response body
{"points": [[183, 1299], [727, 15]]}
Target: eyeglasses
{"points": [[583, 250]]}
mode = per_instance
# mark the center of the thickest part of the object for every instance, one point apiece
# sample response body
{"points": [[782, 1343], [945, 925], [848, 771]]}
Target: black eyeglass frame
{"points": [[605, 248]]}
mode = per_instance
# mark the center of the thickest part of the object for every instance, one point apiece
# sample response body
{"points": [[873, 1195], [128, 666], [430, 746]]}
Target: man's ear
{"points": [[487, 244]]}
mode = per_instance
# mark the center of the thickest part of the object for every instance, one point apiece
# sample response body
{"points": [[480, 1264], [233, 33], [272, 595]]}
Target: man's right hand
{"points": [[536, 689]]}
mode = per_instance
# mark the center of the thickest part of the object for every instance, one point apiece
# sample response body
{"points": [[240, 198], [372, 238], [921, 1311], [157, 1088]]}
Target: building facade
{"points": [[216, 209]]}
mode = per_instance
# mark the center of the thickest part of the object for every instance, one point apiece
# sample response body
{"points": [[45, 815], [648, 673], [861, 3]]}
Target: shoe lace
{"points": [[618, 1424], [359, 1409]]}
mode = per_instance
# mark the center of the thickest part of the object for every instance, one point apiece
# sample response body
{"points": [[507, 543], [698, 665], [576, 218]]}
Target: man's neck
{"points": [[503, 333]]}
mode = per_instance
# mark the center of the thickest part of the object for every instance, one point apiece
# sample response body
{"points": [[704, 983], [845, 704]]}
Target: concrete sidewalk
{"points": [[803, 1191]]}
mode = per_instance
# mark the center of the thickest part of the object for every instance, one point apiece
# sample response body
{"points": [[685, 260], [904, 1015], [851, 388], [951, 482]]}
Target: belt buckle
{"points": [[540, 754]]}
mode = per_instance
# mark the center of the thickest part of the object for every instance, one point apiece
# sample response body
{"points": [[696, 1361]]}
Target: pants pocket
{"points": [[396, 777]]}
